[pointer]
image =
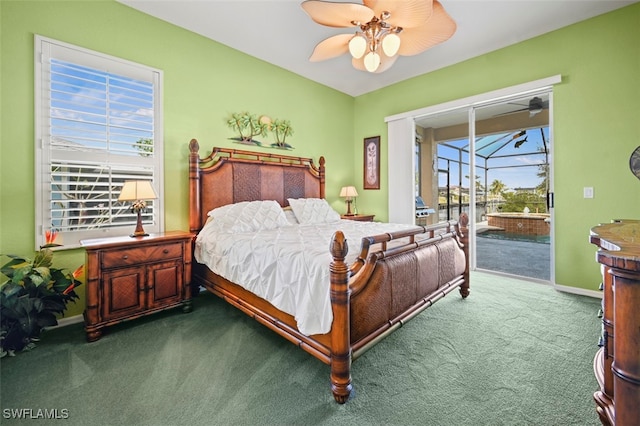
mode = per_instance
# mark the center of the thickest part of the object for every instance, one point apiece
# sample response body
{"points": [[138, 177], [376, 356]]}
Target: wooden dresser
{"points": [[617, 363], [131, 277]]}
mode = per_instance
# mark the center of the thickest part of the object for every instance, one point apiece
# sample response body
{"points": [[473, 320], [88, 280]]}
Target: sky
{"points": [[516, 167]]}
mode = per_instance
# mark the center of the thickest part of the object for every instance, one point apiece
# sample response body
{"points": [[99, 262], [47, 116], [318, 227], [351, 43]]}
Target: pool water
{"points": [[501, 235]]}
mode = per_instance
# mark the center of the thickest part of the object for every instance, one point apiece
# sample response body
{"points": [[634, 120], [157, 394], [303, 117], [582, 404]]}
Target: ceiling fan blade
{"points": [[385, 63], [437, 29], [533, 103], [405, 14], [331, 47], [510, 112], [358, 63], [337, 15]]}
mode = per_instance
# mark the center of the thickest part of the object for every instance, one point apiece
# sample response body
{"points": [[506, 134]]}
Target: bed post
{"points": [[340, 329], [321, 175], [463, 233], [195, 218]]}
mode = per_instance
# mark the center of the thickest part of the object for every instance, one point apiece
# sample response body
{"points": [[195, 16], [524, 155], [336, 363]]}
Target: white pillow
{"points": [[313, 210], [248, 216], [290, 215]]}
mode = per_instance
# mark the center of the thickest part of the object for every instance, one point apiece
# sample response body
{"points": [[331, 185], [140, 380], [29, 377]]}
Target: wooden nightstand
{"points": [[359, 217], [131, 277]]}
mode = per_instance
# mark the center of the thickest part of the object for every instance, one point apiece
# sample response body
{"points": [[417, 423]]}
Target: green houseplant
{"points": [[32, 297]]}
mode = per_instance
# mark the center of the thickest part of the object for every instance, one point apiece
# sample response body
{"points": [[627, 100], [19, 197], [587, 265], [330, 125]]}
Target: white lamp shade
{"points": [[357, 46], [371, 61], [391, 44], [348, 191], [135, 190]]}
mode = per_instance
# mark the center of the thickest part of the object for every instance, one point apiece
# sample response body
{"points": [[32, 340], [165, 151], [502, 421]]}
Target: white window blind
{"points": [[98, 125]]}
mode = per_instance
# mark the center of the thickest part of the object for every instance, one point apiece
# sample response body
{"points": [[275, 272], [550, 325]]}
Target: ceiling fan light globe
{"points": [[391, 44], [357, 46], [371, 61]]}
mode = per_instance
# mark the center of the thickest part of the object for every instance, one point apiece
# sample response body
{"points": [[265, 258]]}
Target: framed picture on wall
{"points": [[372, 163]]}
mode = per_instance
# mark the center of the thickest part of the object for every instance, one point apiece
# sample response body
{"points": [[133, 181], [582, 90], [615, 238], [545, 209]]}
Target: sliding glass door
{"points": [[513, 221], [491, 161]]}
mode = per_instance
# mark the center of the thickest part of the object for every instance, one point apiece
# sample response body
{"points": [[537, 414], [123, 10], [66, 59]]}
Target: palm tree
{"points": [[496, 188], [281, 129], [247, 126]]}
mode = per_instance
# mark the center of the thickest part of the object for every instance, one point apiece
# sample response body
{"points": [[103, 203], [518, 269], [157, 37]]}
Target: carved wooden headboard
{"points": [[229, 176]]}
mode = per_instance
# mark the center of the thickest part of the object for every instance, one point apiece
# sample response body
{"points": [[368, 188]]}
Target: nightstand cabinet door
{"points": [[123, 293], [131, 277], [164, 284]]}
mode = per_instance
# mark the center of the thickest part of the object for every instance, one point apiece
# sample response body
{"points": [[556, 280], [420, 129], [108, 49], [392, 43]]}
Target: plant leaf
{"points": [[43, 257]]}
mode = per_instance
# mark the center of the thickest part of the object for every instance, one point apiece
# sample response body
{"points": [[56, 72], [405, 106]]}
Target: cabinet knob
{"points": [[165, 251], [125, 257]]}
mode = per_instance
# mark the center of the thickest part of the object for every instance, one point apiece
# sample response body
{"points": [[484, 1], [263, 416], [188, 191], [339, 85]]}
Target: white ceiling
{"points": [[281, 33]]}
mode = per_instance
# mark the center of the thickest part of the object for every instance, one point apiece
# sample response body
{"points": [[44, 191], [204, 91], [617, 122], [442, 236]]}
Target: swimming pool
{"points": [[501, 235]]}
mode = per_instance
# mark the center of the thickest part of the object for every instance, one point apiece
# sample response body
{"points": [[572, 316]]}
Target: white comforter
{"points": [[288, 265]]}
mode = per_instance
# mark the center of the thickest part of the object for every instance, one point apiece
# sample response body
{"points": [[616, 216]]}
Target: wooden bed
{"points": [[395, 276]]}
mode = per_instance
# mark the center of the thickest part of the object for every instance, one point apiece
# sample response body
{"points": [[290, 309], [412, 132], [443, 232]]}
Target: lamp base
{"points": [[135, 235], [139, 232], [349, 213]]}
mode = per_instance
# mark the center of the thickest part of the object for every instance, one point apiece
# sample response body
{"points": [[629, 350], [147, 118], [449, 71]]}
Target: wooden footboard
{"points": [[384, 289], [396, 275]]}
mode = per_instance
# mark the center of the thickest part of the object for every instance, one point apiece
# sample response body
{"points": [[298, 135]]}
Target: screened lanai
{"points": [[511, 162]]}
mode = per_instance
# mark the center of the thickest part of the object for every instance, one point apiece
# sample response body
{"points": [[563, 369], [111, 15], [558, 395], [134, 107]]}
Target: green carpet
{"points": [[513, 353]]}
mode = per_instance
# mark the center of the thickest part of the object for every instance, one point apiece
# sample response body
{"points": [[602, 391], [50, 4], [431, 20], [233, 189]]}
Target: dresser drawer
{"points": [[144, 254]]}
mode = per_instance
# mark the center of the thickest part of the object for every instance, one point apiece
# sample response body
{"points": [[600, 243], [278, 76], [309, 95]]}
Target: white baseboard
{"points": [[63, 322], [580, 291]]}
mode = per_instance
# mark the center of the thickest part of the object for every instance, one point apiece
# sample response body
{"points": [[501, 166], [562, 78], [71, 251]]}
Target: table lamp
{"points": [[349, 193], [137, 191]]}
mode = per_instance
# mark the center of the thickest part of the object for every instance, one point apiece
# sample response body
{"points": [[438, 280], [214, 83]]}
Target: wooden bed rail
{"points": [[450, 229]]}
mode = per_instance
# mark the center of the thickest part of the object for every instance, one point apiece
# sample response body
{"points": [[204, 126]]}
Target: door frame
{"points": [[401, 159]]}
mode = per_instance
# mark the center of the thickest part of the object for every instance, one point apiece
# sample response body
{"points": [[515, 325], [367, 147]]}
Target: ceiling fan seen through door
{"points": [[535, 106], [385, 30]]}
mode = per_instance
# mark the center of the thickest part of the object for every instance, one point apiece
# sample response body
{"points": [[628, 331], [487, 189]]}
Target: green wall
{"points": [[204, 82], [596, 123], [596, 112]]}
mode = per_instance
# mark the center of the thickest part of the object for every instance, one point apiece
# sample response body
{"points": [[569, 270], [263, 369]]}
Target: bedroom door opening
{"points": [[507, 144]]}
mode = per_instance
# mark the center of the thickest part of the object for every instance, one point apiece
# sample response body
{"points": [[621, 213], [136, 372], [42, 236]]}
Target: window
{"points": [[98, 124]]}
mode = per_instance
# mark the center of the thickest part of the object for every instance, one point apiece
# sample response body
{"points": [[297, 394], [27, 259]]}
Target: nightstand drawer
{"points": [[134, 256]]}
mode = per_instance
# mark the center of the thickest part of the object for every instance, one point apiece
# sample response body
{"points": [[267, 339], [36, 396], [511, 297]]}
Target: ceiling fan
{"points": [[386, 29], [536, 105]]}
